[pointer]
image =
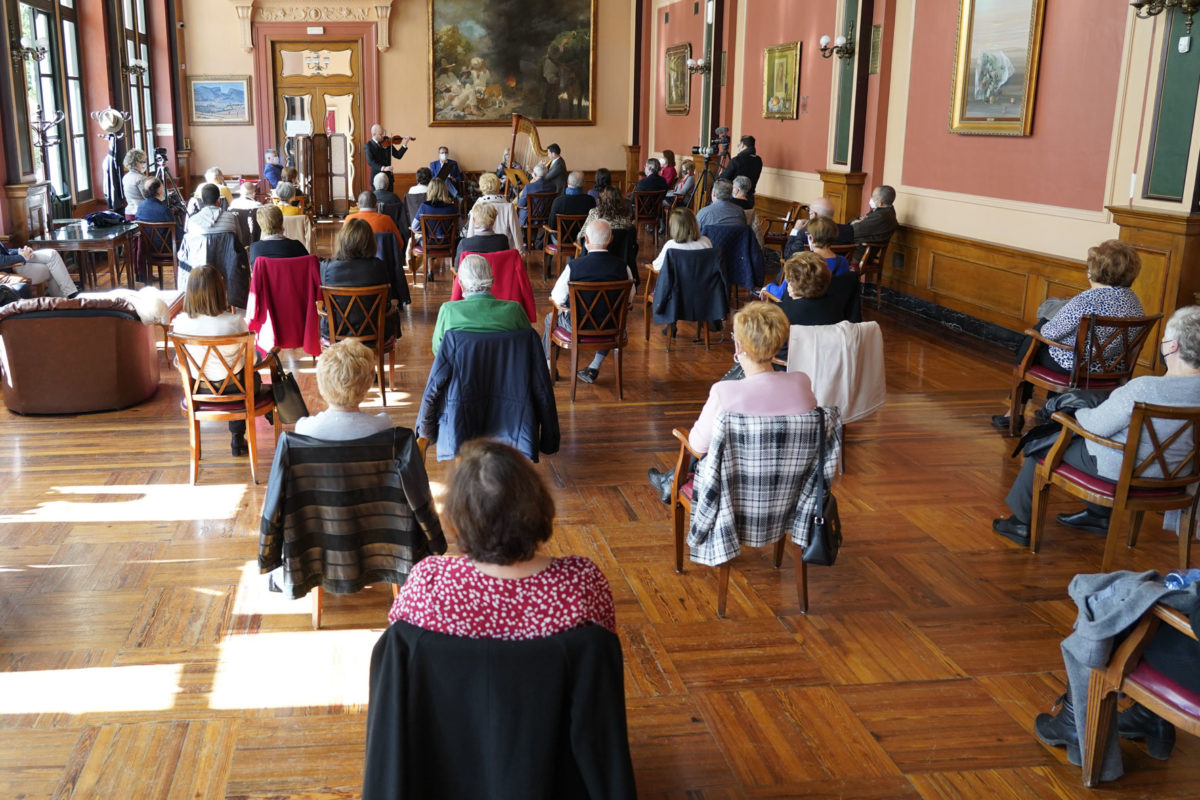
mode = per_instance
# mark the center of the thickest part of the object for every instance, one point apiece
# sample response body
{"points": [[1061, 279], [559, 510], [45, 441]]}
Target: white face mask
{"points": [[443, 156], [872, 204]]}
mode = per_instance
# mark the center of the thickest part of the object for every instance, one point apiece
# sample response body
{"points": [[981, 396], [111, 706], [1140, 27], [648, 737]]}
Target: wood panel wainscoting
{"points": [[845, 189], [1169, 244]]}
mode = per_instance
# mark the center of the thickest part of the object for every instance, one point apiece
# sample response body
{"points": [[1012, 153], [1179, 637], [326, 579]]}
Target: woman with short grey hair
{"points": [[135, 165], [474, 274]]}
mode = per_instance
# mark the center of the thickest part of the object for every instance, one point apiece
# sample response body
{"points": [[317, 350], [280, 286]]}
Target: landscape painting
{"points": [[491, 58], [219, 100], [995, 76]]}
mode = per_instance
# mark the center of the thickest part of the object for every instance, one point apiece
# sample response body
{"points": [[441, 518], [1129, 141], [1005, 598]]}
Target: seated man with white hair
{"points": [[798, 239], [383, 190], [479, 311], [245, 199], [597, 266], [539, 184], [214, 176]]}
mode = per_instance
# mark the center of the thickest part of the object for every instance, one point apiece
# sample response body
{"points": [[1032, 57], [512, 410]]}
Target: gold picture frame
{"points": [[677, 86], [781, 81], [996, 65], [220, 100]]}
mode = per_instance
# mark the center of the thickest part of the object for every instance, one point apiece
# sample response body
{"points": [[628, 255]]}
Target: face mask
{"points": [[443, 156], [872, 204]]}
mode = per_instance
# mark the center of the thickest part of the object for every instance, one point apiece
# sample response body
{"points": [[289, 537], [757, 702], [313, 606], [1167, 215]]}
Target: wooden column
{"points": [[1169, 244], [845, 190], [633, 164]]}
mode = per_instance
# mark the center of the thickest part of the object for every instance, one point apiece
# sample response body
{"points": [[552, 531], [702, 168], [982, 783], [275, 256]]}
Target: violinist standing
{"points": [[380, 151]]}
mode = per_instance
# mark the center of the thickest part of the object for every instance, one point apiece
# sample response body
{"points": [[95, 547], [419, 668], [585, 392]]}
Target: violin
{"points": [[387, 140]]}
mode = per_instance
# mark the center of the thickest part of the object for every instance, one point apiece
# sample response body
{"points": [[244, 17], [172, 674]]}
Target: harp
{"points": [[524, 151]]}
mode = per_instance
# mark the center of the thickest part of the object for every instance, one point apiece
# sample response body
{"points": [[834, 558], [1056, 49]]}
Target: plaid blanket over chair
{"points": [[758, 481]]}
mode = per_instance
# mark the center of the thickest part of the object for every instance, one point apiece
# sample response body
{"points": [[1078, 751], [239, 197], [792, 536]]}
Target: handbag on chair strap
{"points": [[825, 527]]}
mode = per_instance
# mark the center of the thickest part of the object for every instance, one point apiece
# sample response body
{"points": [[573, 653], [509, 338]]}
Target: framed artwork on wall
{"points": [[995, 71], [781, 80], [219, 100], [678, 86], [491, 58]]}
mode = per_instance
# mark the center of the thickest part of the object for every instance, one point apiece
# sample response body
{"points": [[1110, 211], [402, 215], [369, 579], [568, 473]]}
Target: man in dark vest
{"points": [[598, 266]]}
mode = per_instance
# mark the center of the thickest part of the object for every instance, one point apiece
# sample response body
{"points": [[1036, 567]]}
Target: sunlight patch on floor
{"points": [[145, 503], [82, 691]]}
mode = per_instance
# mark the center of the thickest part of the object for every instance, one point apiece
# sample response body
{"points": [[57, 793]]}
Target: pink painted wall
{"points": [[676, 132], [798, 144], [1065, 161]]}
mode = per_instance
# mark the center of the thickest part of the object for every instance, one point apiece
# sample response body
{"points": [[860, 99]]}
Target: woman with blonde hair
{"points": [[345, 373], [135, 176], [759, 331], [271, 241], [437, 201], [685, 235]]}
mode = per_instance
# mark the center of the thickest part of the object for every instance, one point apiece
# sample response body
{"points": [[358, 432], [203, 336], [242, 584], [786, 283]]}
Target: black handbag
{"points": [[289, 402], [825, 527]]}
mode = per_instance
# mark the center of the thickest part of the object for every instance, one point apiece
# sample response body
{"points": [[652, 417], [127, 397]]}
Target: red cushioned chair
{"points": [[1135, 491], [561, 240], [1127, 673], [1105, 353], [599, 312]]}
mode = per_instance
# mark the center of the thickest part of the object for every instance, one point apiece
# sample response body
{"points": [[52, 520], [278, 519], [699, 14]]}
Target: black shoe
{"points": [[1138, 722], [1001, 421], [72, 295], [662, 482], [1012, 529], [1059, 729], [237, 445], [1085, 521], [588, 375], [669, 330]]}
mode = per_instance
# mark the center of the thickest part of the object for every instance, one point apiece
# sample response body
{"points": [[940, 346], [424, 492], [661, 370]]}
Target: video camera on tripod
{"points": [[717, 146], [162, 171]]}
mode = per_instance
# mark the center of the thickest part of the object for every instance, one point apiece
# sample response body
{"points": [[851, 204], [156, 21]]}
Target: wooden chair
{"points": [[599, 313], [778, 238], [870, 267], [233, 397], [692, 285], [537, 215], [561, 240], [159, 248], [1146, 483], [1105, 354], [647, 210], [439, 239], [359, 312], [1128, 674], [788, 480]]}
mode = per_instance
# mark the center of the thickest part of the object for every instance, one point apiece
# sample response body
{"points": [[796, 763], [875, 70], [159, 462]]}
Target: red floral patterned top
{"points": [[448, 595]]}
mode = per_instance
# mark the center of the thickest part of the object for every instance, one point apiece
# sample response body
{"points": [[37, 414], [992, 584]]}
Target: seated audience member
{"points": [[505, 587], [1112, 267], [479, 310], [504, 164], [539, 185], [245, 198], [290, 175], [814, 295], [272, 243], [878, 224], [483, 218], [446, 168], [135, 164], [424, 176], [742, 197], [596, 266], [380, 223], [210, 217], [575, 201], [437, 201], [722, 210], [798, 236], [760, 330], [354, 264], [285, 193], [206, 312], [685, 235], [820, 234], [668, 171], [602, 179], [214, 176], [272, 172], [345, 373], [40, 267], [383, 192], [1108, 599], [686, 183], [612, 208], [651, 181], [489, 189], [1180, 386], [153, 207]]}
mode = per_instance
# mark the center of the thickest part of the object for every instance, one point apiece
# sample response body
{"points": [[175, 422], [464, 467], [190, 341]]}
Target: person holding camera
{"points": [[747, 163]]}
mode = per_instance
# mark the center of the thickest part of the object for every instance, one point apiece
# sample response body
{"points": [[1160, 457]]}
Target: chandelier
{"points": [[1152, 8]]}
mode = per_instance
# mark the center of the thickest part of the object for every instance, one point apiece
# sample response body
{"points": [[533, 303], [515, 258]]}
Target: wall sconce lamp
{"points": [[316, 63], [136, 67], [841, 46], [28, 49], [1152, 8], [695, 65]]}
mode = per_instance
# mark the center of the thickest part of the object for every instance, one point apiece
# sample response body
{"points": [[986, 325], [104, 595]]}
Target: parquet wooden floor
{"points": [[141, 655]]}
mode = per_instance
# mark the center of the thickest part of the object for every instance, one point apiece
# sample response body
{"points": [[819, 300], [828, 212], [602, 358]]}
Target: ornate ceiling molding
{"points": [[251, 11]]}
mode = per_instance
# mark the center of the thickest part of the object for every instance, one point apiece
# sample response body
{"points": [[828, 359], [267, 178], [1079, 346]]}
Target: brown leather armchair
{"points": [[63, 356]]}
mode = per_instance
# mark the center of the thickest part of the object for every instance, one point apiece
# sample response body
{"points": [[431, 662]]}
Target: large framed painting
{"points": [[781, 80], [678, 87], [995, 72], [491, 58], [219, 100]]}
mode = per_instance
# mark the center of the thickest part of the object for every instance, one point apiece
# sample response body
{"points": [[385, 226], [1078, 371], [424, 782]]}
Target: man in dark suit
{"points": [[598, 266], [746, 162], [878, 224], [651, 180], [446, 168], [539, 184], [798, 237], [556, 170], [575, 201], [379, 157]]}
